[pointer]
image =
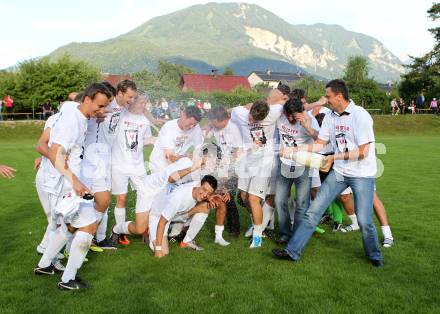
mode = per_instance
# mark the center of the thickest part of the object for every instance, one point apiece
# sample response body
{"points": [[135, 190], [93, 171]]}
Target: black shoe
{"points": [[75, 284], [267, 233], [114, 239], [234, 235], [282, 241], [106, 244], [336, 227], [377, 263], [49, 270], [325, 219], [282, 254]]}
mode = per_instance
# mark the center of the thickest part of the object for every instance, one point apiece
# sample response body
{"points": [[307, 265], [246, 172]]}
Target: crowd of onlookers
{"points": [[413, 106]]}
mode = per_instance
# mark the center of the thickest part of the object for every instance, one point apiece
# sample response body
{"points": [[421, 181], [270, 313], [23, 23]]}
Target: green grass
{"points": [[332, 277]]}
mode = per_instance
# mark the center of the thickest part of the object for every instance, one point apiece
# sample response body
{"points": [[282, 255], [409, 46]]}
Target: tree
{"points": [[424, 72], [356, 69], [37, 81], [228, 71]]}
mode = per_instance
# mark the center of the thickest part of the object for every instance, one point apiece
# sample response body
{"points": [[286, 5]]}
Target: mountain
{"points": [[242, 36]]}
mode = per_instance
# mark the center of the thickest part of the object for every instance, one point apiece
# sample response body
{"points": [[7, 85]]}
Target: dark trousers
{"points": [[232, 217]]}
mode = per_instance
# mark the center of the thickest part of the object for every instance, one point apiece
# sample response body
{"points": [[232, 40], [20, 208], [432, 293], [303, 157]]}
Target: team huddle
{"points": [[252, 155]]}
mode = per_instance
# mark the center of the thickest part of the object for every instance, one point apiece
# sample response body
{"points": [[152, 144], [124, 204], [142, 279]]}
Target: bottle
{"points": [[308, 159]]}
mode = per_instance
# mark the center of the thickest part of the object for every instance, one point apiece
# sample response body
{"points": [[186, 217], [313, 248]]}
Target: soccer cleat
{"points": [[75, 284], [256, 242], [283, 240], [349, 228], [95, 248], [336, 227], [49, 270], [387, 242], [319, 230], [325, 219], [106, 244], [191, 245], [221, 242], [267, 233], [58, 267], [249, 232], [123, 239]]}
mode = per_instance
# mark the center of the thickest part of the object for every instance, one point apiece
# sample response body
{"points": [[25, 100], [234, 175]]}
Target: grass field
{"points": [[332, 277]]}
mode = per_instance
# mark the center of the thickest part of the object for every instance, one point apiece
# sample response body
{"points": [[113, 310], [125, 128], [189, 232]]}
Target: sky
{"points": [[30, 29]]}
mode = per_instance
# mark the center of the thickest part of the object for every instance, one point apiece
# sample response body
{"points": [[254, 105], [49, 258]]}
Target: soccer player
{"points": [[295, 128], [228, 146], [65, 154], [101, 131], [350, 129], [187, 201], [257, 122]]}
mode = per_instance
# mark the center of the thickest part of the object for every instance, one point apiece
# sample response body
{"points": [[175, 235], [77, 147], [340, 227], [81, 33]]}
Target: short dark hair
{"points": [[320, 117], [259, 110], [283, 88], [292, 106], [124, 85], [193, 112], [79, 97], [96, 88], [210, 180], [298, 93], [110, 87], [218, 113], [338, 87]]}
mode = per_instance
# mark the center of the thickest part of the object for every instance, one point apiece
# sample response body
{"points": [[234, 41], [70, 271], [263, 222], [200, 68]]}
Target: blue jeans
{"points": [[334, 184], [289, 176]]}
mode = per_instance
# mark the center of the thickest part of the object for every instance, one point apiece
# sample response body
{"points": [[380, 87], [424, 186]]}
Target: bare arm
{"points": [[321, 102], [149, 116], [42, 146], [159, 236]]}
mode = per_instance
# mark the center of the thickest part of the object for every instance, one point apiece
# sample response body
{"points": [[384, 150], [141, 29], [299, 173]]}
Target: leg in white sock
{"points": [[80, 246], [219, 235], [197, 222], [122, 228], [119, 215], [268, 212], [101, 233], [56, 242]]}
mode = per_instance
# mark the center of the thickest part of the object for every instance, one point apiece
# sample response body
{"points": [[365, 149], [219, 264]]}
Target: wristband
{"points": [[158, 248]]}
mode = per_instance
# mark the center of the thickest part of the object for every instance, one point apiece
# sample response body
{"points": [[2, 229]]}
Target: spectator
{"points": [[9, 104], [434, 106], [47, 110], [412, 107], [207, 106], [394, 107], [199, 104], [402, 105], [420, 100], [1, 108]]}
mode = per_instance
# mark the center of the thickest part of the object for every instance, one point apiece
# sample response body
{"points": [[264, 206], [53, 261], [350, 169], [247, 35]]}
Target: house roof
{"points": [[210, 83], [114, 79], [278, 76]]}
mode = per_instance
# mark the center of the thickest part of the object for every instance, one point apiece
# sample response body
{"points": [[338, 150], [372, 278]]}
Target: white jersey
{"points": [[292, 135], [263, 132], [347, 132], [178, 202], [175, 139], [128, 146]]}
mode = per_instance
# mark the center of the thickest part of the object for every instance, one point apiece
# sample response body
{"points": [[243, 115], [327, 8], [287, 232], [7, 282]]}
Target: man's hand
{"points": [[172, 158], [79, 188], [226, 197], [303, 119], [323, 100], [214, 200], [159, 253], [287, 151], [7, 172], [37, 163], [327, 163]]}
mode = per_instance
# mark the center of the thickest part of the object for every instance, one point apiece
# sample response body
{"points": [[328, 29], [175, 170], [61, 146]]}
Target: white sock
{"points": [[354, 220], [56, 242], [219, 231], [80, 246], [258, 231], [176, 229], [197, 222], [119, 215], [101, 233], [45, 241], [267, 214], [122, 228], [69, 242], [386, 231]]}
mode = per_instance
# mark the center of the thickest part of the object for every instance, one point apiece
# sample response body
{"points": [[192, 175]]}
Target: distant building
{"points": [[114, 79], [213, 82], [272, 79], [387, 87]]}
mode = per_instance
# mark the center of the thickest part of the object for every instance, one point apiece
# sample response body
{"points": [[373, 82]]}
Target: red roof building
{"points": [[114, 79], [213, 82]]}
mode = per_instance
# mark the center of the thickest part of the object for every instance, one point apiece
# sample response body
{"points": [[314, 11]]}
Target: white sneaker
{"points": [[58, 266], [256, 242], [222, 242], [249, 232], [191, 245], [349, 228], [388, 242]]}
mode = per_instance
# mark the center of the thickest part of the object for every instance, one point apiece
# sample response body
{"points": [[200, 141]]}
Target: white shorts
{"points": [[96, 169], [274, 176], [257, 186], [85, 216], [121, 180], [43, 196]]}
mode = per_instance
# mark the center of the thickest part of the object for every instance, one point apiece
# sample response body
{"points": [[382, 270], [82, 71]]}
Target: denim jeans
{"points": [[334, 184], [287, 177]]}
